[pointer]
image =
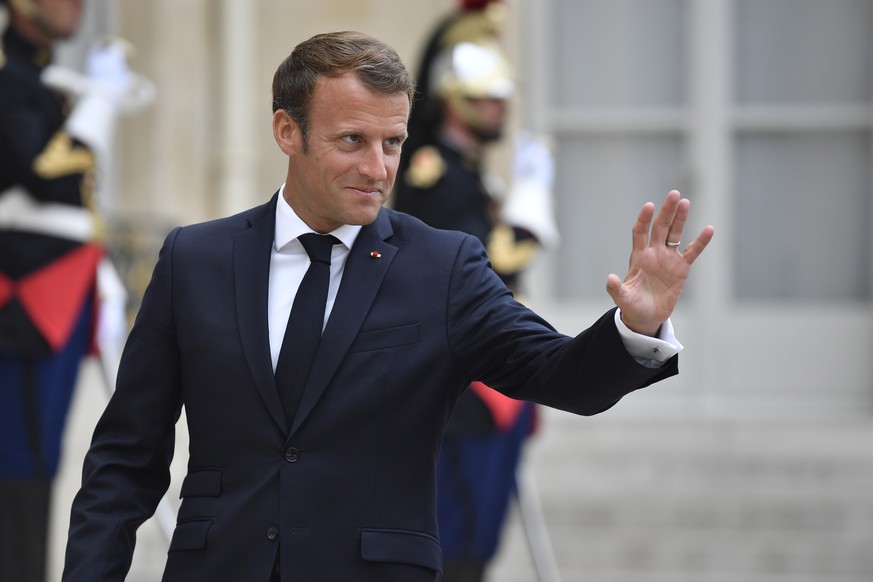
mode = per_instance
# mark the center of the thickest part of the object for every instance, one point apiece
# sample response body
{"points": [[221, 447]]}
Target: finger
{"points": [[642, 225], [662, 222], [674, 234], [693, 250]]}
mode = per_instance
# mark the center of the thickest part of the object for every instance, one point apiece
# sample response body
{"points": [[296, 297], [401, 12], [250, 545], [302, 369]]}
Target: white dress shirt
{"points": [[288, 265], [289, 262]]}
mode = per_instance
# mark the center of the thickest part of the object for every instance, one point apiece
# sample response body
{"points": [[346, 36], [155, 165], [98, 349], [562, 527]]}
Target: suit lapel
{"points": [[365, 269], [251, 257]]}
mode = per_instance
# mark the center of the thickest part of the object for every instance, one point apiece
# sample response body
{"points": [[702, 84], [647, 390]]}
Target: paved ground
{"points": [[627, 500]]}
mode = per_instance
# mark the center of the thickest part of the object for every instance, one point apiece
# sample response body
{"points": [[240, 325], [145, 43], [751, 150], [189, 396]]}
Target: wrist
{"points": [[650, 330]]}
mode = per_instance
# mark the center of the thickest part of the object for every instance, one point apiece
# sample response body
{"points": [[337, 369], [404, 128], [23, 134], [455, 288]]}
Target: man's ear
{"points": [[286, 132]]}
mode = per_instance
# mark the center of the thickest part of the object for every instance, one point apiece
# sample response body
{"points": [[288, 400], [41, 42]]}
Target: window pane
{"points": [[618, 53], [802, 217], [601, 184], [801, 51]]}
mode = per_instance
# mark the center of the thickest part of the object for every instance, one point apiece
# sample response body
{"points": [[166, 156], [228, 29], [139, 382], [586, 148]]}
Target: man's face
{"points": [[490, 117], [482, 117], [347, 171], [52, 19]]}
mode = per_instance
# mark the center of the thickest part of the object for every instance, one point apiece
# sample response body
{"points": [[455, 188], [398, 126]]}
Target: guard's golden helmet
{"points": [[472, 69]]}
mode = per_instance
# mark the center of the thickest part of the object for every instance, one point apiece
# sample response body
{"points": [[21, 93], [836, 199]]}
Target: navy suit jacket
{"points": [[345, 489]]}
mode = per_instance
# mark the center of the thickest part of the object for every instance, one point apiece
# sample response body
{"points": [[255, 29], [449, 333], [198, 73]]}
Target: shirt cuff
{"points": [[651, 352]]}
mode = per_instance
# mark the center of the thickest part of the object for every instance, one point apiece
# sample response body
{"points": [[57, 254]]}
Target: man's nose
{"points": [[374, 163]]}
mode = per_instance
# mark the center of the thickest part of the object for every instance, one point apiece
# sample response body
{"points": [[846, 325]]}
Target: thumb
{"points": [[613, 286]]}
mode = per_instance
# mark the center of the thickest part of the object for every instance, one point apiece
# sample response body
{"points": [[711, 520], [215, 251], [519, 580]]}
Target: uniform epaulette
{"points": [[425, 168], [507, 254]]}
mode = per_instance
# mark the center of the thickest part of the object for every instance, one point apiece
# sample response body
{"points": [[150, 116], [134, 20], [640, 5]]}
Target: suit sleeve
{"points": [[126, 470], [510, 348]]}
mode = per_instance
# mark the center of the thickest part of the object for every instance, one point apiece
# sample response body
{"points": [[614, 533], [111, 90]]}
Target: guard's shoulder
{"points": [[425, 167], [411, 229]]}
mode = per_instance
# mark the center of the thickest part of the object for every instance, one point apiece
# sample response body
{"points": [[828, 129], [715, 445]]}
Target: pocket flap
{"points": [[380, 339], [190, 535], [407, 547]]}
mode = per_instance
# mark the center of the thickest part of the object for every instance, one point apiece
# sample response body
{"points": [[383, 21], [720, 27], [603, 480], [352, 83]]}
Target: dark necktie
{"points": [[305, 323]]}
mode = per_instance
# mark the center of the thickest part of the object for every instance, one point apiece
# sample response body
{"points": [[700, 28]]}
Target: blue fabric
{"points": [[475, 479], [56, 376]]}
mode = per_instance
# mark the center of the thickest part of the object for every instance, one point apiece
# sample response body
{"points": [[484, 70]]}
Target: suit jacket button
{"points": [[272, 534], [292, 455]]}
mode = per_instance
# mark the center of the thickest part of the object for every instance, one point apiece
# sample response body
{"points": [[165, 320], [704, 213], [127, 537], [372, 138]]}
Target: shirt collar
{"points": [[289, 226]]}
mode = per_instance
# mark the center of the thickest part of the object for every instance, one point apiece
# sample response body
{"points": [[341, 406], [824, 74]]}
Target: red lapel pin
{"points": [[376, 254]]}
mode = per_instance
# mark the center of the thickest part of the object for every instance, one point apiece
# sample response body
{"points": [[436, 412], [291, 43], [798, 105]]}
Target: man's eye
{"points": [[352, 138]]}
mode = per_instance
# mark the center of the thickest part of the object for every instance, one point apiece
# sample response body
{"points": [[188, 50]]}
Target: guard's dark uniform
{"points": [[444, 189], [47, 282], [481, 449]]}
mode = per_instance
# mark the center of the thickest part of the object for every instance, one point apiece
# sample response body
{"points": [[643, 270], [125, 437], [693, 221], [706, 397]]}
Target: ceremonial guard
{"points": [[464, 86], [55, 128]]}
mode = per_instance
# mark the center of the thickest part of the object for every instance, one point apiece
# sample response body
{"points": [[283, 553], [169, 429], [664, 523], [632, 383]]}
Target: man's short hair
{"points": [[332, 54]]}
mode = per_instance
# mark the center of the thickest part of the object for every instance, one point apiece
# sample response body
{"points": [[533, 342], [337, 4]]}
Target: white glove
{"points": [[529, 203], [533, 160], [106, 73], [108, 70], [107, 89]]}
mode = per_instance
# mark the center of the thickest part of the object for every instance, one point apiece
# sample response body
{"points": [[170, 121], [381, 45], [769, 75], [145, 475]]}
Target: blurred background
{"points": [[756, 462]]}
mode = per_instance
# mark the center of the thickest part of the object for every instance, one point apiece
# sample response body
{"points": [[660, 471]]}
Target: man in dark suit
{"points": [[337, 482]]}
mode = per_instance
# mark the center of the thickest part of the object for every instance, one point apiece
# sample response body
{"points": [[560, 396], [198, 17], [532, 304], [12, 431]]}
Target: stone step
{"points": [[654, 501], [638, 555], [722, 513], [702, 550], [764, 477]]}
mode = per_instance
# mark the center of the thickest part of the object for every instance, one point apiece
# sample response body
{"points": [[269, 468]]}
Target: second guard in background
{"points": [[55, 129], [464, 87]]}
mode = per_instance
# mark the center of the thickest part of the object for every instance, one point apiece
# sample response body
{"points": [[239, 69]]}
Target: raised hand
{"points": [[658, 266]]}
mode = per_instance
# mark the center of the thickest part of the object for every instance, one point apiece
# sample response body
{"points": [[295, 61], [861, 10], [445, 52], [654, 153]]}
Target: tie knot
{"points": [[318, 246]]}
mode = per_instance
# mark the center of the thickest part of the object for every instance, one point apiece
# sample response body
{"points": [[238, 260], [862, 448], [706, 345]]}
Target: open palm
{"points": [[658, 269]]}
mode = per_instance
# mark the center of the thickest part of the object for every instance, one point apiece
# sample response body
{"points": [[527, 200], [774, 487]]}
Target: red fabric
{"points": [[475, 4], [93, 346], [503, 409], [53, 296], [7, 289]]}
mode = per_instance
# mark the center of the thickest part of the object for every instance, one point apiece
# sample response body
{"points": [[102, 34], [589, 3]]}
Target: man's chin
{"points": [[488, 135], [364, 218], [365, 222], [367, 213]]}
